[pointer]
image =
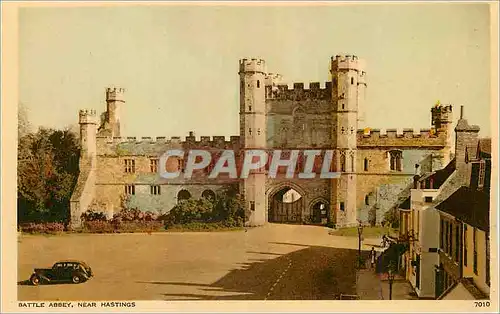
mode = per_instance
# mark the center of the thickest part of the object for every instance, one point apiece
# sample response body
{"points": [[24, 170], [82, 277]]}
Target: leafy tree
{"points": [[47, 173]]}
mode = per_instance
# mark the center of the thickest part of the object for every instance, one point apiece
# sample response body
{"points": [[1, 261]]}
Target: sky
{"points": [[179, 64]]}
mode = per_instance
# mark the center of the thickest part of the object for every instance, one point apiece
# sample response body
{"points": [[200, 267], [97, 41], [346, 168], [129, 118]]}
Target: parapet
{"points": [[442, 113], [410, 138], [115, 94], [346, 62], [161, 142], [87, 116], [273, 79], [252, 65], [299, 93]]}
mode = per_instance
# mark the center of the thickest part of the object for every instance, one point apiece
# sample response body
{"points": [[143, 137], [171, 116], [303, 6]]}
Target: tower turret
{"points": [[253, 134], [442, 123], [115, 99], [348, 88], [88, 130]]}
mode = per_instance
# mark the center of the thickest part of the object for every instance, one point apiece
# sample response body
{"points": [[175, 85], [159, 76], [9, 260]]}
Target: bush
{"points": [[91, 215], [117, 226], [48, 227], [134, 214]]}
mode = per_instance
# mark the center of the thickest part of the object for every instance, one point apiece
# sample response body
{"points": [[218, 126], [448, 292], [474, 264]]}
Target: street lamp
{"points": [[390, 277], [360, 232]]}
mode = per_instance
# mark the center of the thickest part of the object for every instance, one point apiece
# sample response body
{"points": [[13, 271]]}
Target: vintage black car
{"points": [[70, 271]]}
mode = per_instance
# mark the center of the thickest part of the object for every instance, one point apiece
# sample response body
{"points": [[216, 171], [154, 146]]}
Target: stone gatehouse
{"points": [[377, 166]]}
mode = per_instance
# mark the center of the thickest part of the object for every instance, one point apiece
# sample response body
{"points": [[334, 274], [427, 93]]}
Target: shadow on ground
{"points": [[310, 273]]}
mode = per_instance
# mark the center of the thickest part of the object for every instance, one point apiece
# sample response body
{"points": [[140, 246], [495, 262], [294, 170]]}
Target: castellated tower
{"points": [[253, 134], [88, 129], [115, 99], [442, 122], [348, 89]]}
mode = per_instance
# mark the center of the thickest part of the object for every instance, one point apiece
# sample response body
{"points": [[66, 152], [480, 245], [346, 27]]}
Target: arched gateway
{"points": [[286, 204]]}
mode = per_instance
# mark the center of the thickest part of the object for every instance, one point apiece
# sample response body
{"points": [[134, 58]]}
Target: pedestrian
{"points": [[372, 257], [383, 241]]}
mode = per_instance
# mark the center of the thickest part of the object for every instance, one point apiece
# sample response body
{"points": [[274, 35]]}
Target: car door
{"points": [[58, 271]]}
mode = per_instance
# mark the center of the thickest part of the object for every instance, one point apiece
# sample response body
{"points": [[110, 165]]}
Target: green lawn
{"points": [[368, 232]]}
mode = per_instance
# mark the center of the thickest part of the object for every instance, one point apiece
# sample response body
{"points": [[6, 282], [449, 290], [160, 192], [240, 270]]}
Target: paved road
{"points": [[272, 262]]}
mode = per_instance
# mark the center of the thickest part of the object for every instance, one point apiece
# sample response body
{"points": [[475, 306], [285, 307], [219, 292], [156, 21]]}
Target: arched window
{"points": [[343, 106], [258, 84], [365, 164], [352, 80], [183, 195], [396, 160], [342, 163], [352, 163], [208, 194], [367, 200]]}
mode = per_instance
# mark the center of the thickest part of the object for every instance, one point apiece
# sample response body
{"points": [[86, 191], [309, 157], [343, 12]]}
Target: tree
{"points": [[47, 174]]}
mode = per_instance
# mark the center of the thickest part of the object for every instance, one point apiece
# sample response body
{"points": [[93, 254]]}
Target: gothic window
{"points": [[343, 106], [352, 162], [352, 80], [367, 200], [153, 165], [258, 84], [365, 166], [183, 195], [250, 108], [396, 160]]}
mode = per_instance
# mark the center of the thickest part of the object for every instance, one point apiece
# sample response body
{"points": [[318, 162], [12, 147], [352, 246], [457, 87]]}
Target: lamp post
{"points": [[390, 277], [360, 232]]}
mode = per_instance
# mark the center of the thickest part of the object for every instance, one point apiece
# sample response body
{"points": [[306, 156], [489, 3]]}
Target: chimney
{"points": [[191, 133], [461, 111]]}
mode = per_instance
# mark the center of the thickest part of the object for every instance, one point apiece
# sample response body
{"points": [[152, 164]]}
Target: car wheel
{"points": [[76, 279], [35, 280]]}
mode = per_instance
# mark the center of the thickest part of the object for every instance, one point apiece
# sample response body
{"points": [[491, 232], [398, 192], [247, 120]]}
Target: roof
{"points": [[470, 206], [440, 176], [468, 284], [484, 148], [406, 203]]}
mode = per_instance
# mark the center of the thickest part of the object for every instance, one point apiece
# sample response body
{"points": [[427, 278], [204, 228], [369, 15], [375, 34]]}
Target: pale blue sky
{"points": [[179, 64]]}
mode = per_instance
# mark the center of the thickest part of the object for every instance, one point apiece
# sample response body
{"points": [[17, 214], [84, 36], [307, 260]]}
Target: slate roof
{"points": [[484, 148], [439, 177], [469, 205]]}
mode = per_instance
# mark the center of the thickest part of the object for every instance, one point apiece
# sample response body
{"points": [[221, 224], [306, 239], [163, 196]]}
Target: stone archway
{"points": [[286, 204], [320, 211], [183, 195]]}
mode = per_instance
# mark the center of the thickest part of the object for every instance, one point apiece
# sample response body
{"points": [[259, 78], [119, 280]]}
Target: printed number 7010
{"points": [[481, 303]]}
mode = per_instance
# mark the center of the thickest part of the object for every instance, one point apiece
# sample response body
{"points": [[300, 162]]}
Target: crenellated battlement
{"points": [[298, 92], [252, 65], [115, 94], [346, 62], [273, 79], [442, 114], [407, 138], [203, 141], [87, 116]]}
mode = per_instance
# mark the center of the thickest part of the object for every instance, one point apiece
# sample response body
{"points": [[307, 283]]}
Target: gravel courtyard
{"points": [[275, 262]]}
